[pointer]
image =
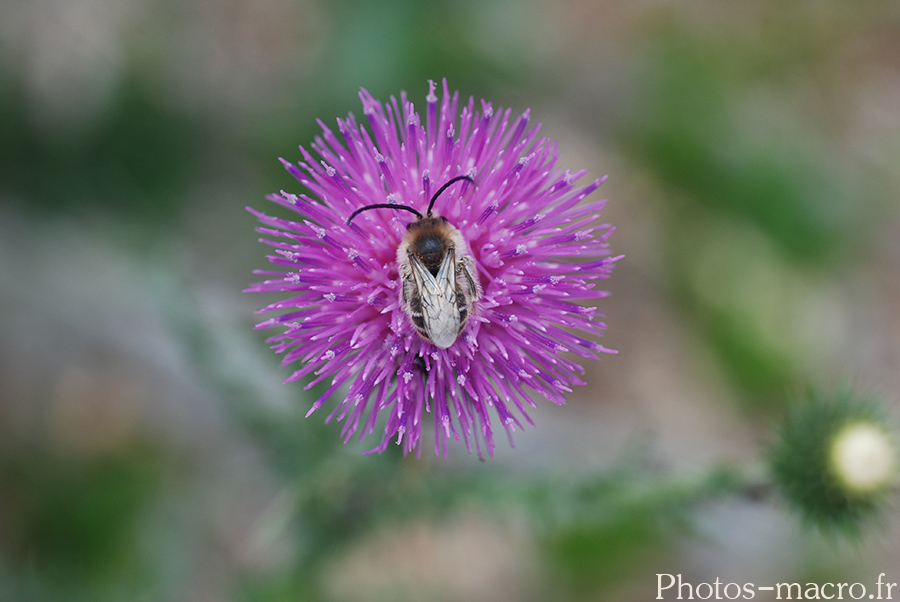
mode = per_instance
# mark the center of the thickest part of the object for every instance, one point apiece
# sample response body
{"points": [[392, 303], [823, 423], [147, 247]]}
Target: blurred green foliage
{"points": [[722, 126], [692, 134], [137, 161], [76, 520]]}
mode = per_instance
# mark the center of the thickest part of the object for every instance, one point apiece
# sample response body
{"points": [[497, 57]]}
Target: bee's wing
{"points": [[412, 296], [438, 294]]}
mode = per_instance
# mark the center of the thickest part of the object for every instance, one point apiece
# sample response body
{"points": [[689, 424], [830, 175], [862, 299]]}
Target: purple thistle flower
{"points": [[535, 245]]}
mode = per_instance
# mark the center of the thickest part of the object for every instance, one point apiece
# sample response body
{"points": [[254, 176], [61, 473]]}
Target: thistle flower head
{"points": [[510, 318]]}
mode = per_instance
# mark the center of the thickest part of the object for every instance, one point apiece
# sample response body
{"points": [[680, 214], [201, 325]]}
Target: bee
{"points": [[439, 282]]}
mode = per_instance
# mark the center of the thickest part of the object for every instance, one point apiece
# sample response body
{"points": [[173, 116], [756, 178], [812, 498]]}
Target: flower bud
{"points": [[834, 460]]}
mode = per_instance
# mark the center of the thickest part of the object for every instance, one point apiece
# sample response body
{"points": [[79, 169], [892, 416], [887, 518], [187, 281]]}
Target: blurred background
{"points": [[148, 450]]}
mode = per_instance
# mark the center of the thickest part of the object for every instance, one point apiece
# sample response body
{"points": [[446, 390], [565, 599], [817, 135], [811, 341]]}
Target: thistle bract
{"points": [[534, 236]]}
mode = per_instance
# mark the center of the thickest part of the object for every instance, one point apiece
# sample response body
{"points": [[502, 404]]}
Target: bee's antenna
{"points": [[383, 206], [407, 207], [444, 187]]}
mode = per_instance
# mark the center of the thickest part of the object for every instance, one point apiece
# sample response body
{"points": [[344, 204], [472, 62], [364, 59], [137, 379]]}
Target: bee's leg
{"points": [[466, 267]]}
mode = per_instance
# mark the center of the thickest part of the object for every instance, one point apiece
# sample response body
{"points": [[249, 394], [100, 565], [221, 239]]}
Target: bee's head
{"points": [[430, 249], [429, 241]]}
